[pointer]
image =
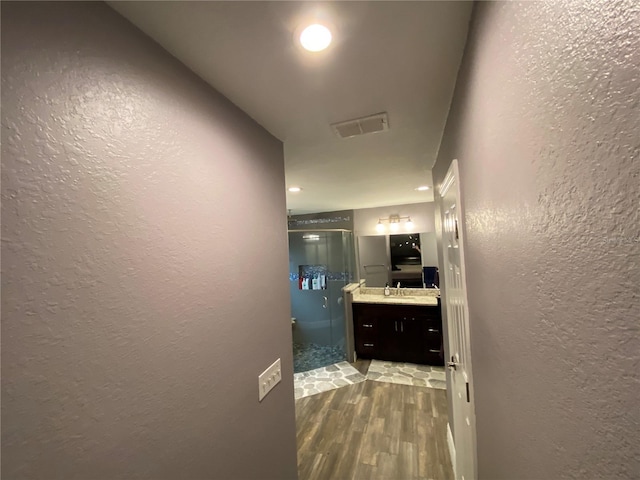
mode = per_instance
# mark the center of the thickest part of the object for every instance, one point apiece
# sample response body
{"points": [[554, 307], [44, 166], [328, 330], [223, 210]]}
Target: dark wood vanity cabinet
{"points": [[400, 333]]}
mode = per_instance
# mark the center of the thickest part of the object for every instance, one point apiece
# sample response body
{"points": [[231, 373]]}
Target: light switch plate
{"points": [[269, 379]]}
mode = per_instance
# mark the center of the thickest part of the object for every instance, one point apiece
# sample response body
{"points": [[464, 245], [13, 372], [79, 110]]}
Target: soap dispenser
{"points": [[387, 291]]}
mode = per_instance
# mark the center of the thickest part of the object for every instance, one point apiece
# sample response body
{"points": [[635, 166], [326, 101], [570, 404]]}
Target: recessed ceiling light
{"points": [[422, 188], [315, 37], [294, 189]]}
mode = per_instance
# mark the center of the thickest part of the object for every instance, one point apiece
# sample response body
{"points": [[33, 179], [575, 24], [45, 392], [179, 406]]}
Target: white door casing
{"points": [[457, 314]]}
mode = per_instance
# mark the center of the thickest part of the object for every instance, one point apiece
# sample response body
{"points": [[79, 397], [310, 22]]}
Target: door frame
{"points": [[459, 456]]}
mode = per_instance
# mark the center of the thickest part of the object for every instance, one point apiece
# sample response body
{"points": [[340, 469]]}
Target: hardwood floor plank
{"points": [[372, 441], [438, 403], [347, 461], [362, 414], [428, 454], [387, 467], [363, 472], [316, 470], [410, 420], [408, 461], [373, 430], [333, 430], [393, 432]]}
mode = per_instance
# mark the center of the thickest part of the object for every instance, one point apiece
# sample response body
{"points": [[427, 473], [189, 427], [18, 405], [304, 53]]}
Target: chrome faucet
{"points": [[398, 289]]}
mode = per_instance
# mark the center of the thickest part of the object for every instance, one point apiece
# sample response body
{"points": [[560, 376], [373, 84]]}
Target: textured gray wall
{"points": [[138, 207], [545, 123]]}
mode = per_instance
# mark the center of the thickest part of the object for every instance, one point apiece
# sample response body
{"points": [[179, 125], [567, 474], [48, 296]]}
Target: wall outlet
{"points": [[269, 379]]}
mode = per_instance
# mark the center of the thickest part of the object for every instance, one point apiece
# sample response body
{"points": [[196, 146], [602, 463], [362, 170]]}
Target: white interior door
{"points": [[457, 313]]}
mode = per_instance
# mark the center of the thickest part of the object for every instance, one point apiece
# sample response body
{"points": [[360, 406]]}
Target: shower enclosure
{"points": [[320, 264]]}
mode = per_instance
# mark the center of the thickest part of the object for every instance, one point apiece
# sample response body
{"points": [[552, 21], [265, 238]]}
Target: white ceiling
{"points": [[396, 57]]}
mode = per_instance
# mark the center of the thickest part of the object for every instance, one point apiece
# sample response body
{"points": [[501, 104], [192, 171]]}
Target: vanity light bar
{"points": [[394, 223]]}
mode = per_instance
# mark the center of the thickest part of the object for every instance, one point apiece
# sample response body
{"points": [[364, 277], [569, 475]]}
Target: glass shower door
{"points": [[319, 268]]}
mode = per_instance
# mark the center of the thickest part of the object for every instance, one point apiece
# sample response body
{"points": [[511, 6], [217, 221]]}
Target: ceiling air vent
{"points": [[361, 126]]}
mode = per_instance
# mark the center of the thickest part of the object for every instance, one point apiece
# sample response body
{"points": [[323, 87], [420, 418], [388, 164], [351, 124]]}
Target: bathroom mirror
{"points": [[390, 259], [406, 260]]}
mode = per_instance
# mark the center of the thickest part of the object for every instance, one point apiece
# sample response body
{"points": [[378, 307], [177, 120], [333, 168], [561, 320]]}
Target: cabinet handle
{"points": [[371, 345], [433, 330], [434, 351], [402, 326], [396, 322], [367, 325]]}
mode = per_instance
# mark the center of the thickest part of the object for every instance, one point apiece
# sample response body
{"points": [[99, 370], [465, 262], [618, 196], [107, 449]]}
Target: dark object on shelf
{"points": [[431, 277]]}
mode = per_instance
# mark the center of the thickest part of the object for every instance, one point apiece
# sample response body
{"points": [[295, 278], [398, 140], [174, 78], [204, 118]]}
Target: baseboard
{"points": [[452, 449]]}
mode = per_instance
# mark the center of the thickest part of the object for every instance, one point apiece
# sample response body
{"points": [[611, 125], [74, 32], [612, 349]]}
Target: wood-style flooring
{"points": [[373, 430]]}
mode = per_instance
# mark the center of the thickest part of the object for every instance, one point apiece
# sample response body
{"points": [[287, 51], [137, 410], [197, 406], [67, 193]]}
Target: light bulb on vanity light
{"points": [[394, 226], [409, 225], [380, 227]]}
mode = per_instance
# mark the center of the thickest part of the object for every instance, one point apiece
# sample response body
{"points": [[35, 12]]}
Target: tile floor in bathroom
{"points": [[342, 374], [309, 356]]}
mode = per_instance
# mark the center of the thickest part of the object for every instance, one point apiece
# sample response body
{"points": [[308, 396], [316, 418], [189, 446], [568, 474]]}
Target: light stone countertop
{"points": [[407, 296]]}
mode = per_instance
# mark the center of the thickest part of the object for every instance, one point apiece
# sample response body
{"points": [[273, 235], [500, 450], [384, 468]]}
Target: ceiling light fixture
{"points": [[394, 222], [294, 189], [315, 38], [422, 188]]}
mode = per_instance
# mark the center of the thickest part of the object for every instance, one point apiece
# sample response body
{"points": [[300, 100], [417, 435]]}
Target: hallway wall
{"points": [[137, 205], [545, 124]]}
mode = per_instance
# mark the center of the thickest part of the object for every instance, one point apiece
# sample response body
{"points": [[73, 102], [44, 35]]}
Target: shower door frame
{"points": [[333, 305]]}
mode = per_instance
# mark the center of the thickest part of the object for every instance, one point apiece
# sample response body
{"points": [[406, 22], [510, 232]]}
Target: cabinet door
{"points": [[431, 321], [433, 342], [412, 339], [390, 337], [421, 335]]}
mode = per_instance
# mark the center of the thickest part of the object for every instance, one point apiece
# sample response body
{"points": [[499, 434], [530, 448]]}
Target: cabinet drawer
{"points": [[433, 341], [361, 339], [365, 326], [433, 358], [366, 348], [433, 329], [433, 349]]}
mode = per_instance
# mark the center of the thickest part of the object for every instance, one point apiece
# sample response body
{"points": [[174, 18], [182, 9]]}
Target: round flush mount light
{"points": [[294, 189], [315, 38], [422, 188]]}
